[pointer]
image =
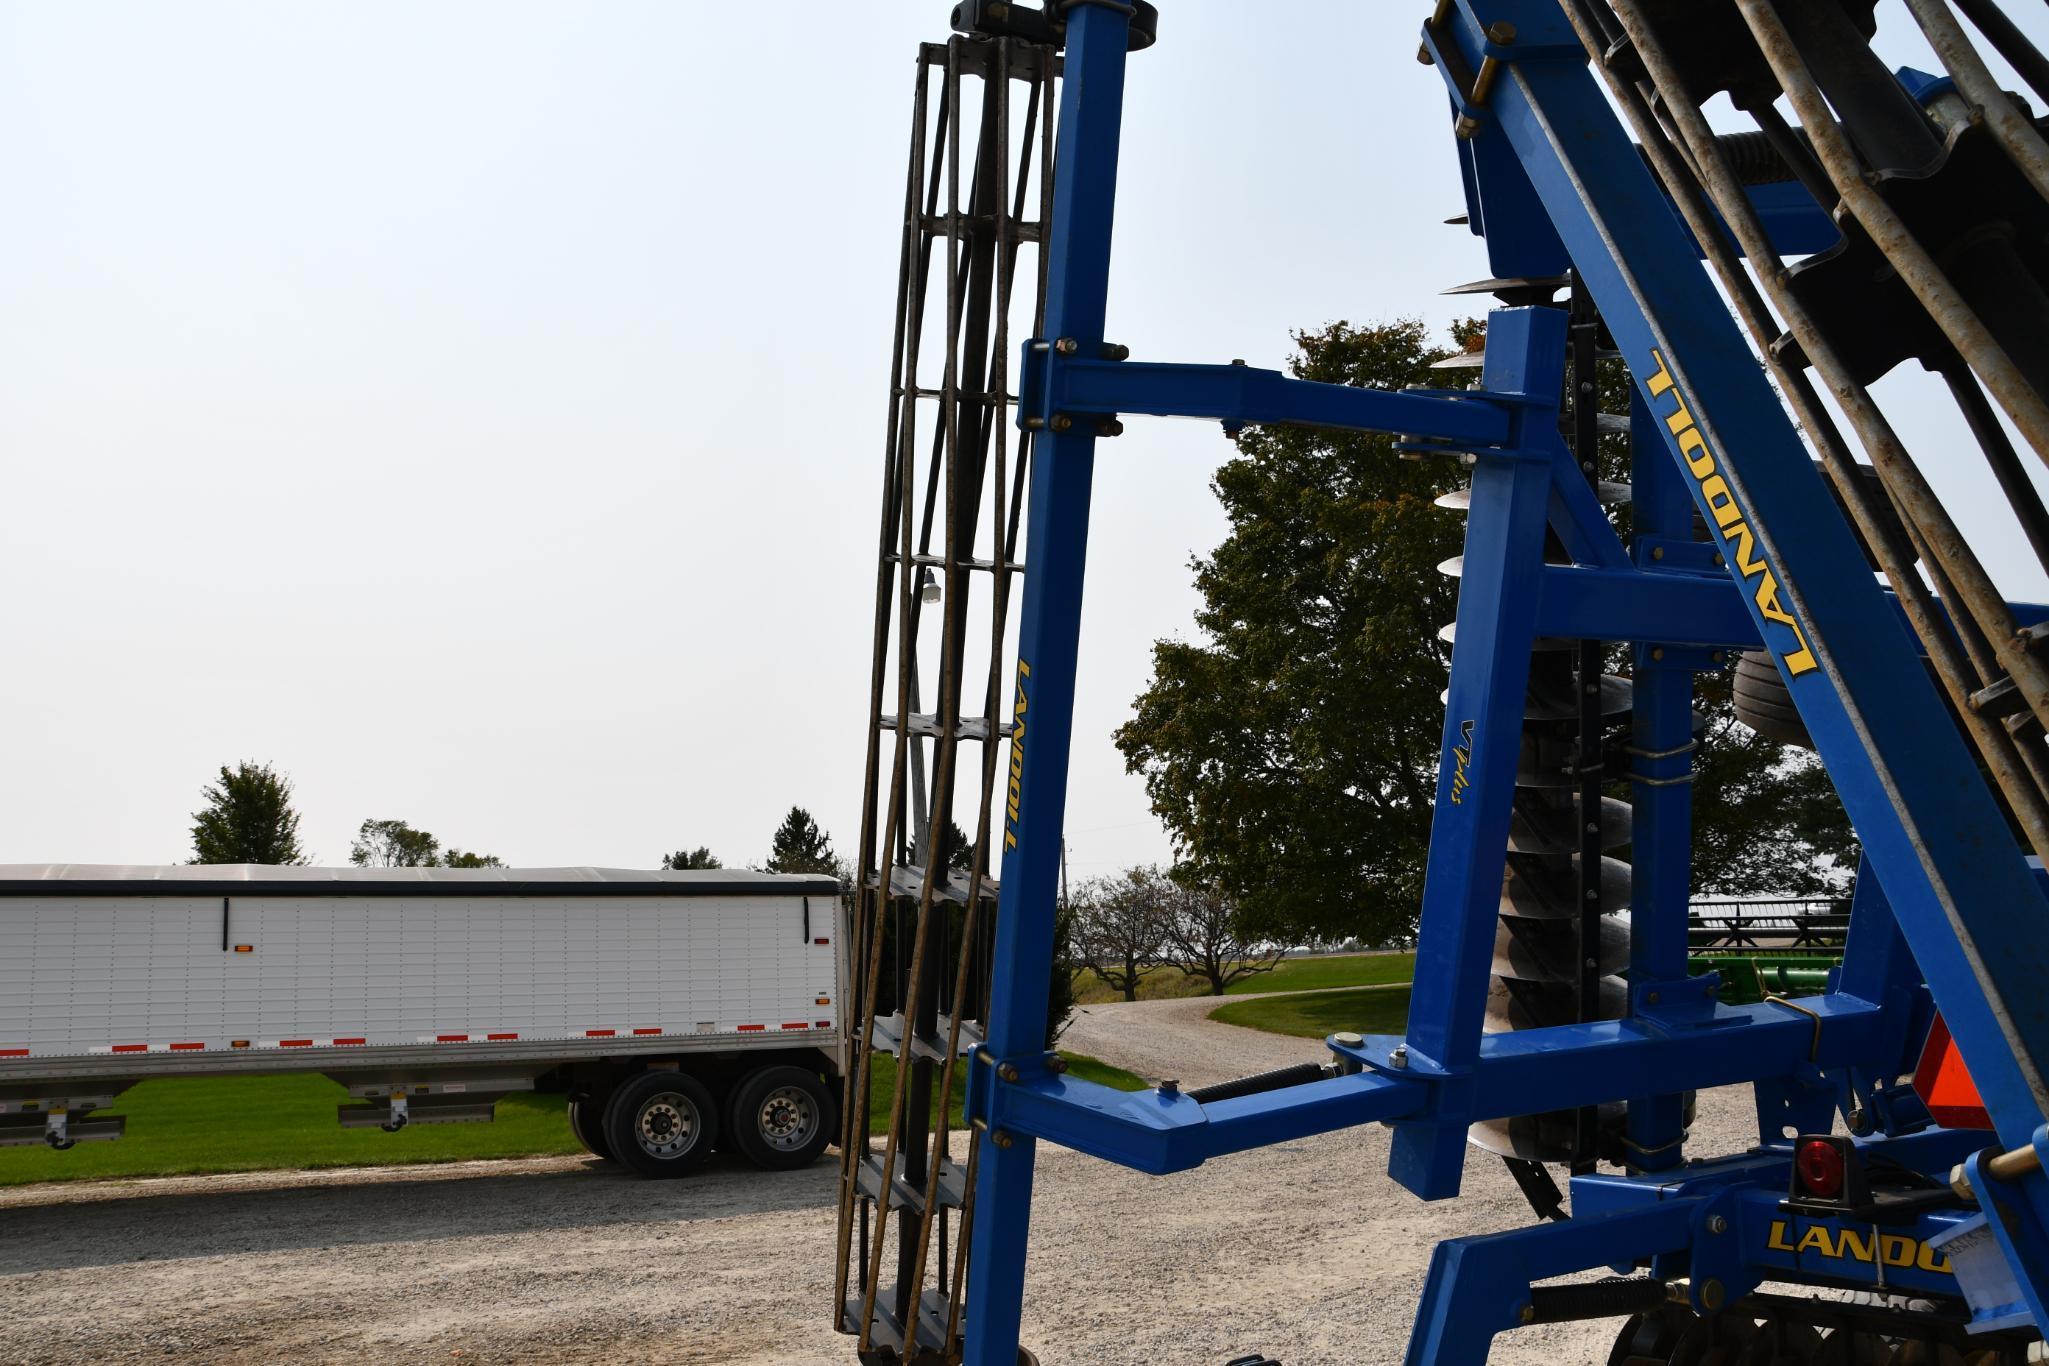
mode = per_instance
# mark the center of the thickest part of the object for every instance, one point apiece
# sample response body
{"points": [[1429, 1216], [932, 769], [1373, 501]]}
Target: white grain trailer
{"points": [[680, 1009]]}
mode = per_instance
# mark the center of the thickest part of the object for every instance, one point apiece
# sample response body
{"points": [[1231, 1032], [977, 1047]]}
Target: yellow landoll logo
{"points": [[1017, 735], [1462, 758], [1730, 519], [1847, 1244]]}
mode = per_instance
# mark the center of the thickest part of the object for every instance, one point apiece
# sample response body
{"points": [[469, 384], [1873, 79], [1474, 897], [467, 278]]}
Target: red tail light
{"points": [[1819, 1164]]}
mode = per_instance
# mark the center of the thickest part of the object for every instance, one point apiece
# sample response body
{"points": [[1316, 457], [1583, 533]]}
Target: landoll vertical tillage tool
{"points": [[1894, 217]]}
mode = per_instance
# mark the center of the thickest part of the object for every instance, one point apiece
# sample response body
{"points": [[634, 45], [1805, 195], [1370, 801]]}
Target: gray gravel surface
{"points": [[1305, 1251]]}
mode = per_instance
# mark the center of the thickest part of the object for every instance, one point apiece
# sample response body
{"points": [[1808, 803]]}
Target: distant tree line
{"points": [[246, 816], [1123, 927]]}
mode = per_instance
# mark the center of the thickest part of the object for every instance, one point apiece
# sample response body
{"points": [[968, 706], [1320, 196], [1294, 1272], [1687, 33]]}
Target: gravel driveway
{"points": [[1305, 1251]]}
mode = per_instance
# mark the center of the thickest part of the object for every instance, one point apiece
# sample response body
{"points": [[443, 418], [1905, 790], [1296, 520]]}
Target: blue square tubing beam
{"points": [[1049, 628]]}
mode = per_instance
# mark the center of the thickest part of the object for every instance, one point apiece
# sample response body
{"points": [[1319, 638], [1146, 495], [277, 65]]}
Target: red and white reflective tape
{"points": [[491, 1036]]}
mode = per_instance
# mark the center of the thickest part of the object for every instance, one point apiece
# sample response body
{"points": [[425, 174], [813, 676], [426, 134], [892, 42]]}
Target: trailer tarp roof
{"points": [[255, 879]]}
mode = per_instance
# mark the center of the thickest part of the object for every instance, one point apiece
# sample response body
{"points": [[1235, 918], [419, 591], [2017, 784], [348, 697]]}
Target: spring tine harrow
{"points": [[978, 191]]}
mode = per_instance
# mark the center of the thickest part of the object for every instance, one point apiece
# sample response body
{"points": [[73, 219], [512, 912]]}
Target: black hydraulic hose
{"points": [[1262, 1081], [1614, 1298]]}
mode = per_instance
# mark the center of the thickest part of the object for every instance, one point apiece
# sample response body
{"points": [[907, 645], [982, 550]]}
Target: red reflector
{"points": [[647, 1031], [13, 1052], [599, 1033], [823, 1024], [799, 1025], [351, 1041], [821, 941], [451, 1038], [501, 1036], [186, 1047], [131, 1048], [295, 1043], [754, 1026], [1944, 1083], [1820, 1164]]}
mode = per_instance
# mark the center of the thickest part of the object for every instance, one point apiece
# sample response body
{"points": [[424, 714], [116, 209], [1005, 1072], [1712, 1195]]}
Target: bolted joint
{"points": [[1061, 422], [1008, 1071], [1109, 426], [1001, 1137], [1056, 1064], [1067, 346], [1501, 32], [1116, 351], [1398, 1056]]}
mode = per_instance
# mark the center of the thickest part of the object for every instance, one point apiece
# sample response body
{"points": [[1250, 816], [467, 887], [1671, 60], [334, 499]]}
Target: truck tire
{"points": [[661, 1124], [780, 1118], [587, 1122]]}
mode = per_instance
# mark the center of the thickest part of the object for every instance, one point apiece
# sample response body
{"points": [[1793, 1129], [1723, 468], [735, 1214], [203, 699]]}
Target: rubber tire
{"points": [[623, 1116], [587, 1122], [1764, 703], [744, 1111]]}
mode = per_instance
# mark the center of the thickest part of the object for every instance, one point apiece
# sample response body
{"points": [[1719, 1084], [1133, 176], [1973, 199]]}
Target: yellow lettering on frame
{"points": [[1858, 1246], [1720, 500], [1690, 442], [1662, 380]]}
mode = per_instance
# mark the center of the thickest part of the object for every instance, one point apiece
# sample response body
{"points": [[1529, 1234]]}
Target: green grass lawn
{"points": [[235, 1124], [1314, 1015], [1291, 974], [191, 1125]]}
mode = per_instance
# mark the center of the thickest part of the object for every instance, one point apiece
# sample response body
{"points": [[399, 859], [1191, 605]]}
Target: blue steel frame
{"points": [[1947, 906]]}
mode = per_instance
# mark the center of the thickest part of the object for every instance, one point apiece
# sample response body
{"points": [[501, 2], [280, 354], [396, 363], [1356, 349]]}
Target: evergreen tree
{"points": [[799, 846], [247, 818]]}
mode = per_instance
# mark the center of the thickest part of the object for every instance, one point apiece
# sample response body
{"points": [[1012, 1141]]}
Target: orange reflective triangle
{"points": [[1944, 1083]]}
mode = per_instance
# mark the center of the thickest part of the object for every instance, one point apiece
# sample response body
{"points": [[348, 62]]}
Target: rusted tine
{"points": [[1718, 182], [1917, 269], [997, 435], [854, 1109], [947, 743], [2022, 143]]}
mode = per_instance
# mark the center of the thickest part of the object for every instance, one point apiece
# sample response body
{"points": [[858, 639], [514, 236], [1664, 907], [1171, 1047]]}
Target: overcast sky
{"points": [[474, 409]]}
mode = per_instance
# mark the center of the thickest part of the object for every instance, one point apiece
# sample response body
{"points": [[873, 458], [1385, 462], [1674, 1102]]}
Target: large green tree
{"points": [[247, 818], [1292, 749]]}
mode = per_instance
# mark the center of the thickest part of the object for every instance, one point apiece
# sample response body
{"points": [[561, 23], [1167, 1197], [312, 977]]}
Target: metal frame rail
{"points": [[1947, 909]]}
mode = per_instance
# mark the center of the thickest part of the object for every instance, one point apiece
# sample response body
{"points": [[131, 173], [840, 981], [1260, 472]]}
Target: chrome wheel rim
{"points": [[787, 1119], [667, 1125]]}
